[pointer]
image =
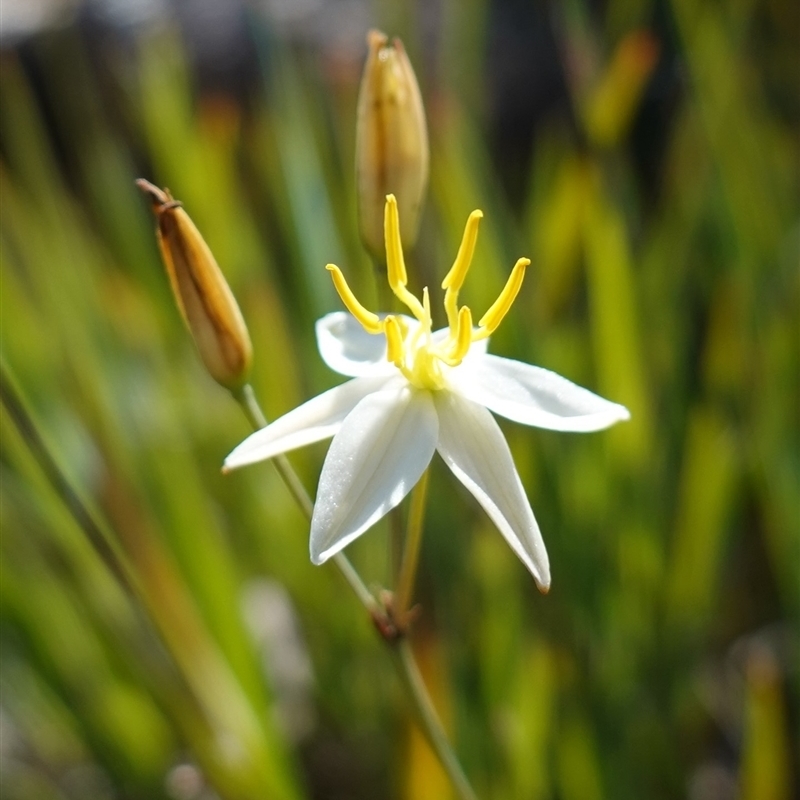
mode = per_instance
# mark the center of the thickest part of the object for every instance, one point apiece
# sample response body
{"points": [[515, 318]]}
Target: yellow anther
{"points": [[455, 278], [494, 316], [395, 264], [463, 339], [371, 322], [394, 341]]}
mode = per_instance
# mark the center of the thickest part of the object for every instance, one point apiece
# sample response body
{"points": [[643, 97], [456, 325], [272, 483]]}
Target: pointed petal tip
{"points": [[235, 461], [541, 574], [232, 463], [319, 557], [618, 413]]}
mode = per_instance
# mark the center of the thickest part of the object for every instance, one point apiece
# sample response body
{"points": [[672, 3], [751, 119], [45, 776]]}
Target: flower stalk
{"points": [[408, 568], [428, 719]]}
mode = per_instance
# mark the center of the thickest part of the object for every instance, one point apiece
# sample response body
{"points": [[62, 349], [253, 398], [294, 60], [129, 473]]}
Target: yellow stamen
{"points": [[371, 322], [463, 339], [454, 279], [394, 341], [395, 263], [410, 345], [464, 333], [494, 316]]}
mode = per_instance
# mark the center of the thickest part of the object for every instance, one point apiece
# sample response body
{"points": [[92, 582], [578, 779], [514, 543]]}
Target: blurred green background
{"points": [[644, 154]]}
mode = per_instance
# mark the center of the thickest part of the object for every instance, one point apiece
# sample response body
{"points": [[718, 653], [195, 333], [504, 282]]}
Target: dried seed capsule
{"points": [[391, 143], [203, 296]]}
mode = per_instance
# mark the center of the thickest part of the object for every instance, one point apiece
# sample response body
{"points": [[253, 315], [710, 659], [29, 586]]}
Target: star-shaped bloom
{"points": [[415, 391]]}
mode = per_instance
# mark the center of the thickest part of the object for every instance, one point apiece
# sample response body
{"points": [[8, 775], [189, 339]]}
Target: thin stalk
{"points": [[402, 655], [428, 720], [396, 539], [95, 531], [247, 400], [408, 568]]}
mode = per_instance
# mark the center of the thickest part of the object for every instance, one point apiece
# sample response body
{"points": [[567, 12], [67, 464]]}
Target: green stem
{"points": [[396, 539], [401, 650], [428, 720], [408, 569], [255, 416]]}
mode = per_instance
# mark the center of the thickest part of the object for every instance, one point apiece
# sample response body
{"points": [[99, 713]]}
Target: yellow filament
{"points": [[371, 322], [394, 341], [494, 316]]}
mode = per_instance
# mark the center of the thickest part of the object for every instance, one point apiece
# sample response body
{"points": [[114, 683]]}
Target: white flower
{"points": [[414, 391]]}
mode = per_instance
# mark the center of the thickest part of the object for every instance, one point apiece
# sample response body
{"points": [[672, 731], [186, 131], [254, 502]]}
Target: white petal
{"points": [[348, 349], [374, 461], [533, 396], [473, 446], [319, 418]]}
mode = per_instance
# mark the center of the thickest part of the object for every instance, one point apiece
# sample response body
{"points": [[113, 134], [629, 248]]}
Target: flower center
{"points": [[412, 349]]}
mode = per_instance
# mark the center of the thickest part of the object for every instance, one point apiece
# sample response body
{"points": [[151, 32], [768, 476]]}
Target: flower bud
{"points": [[204, 298], [391, 143]]}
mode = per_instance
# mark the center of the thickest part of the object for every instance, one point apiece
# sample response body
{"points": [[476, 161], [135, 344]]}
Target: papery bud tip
{"points": [[158, 196], [376, 38]]}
